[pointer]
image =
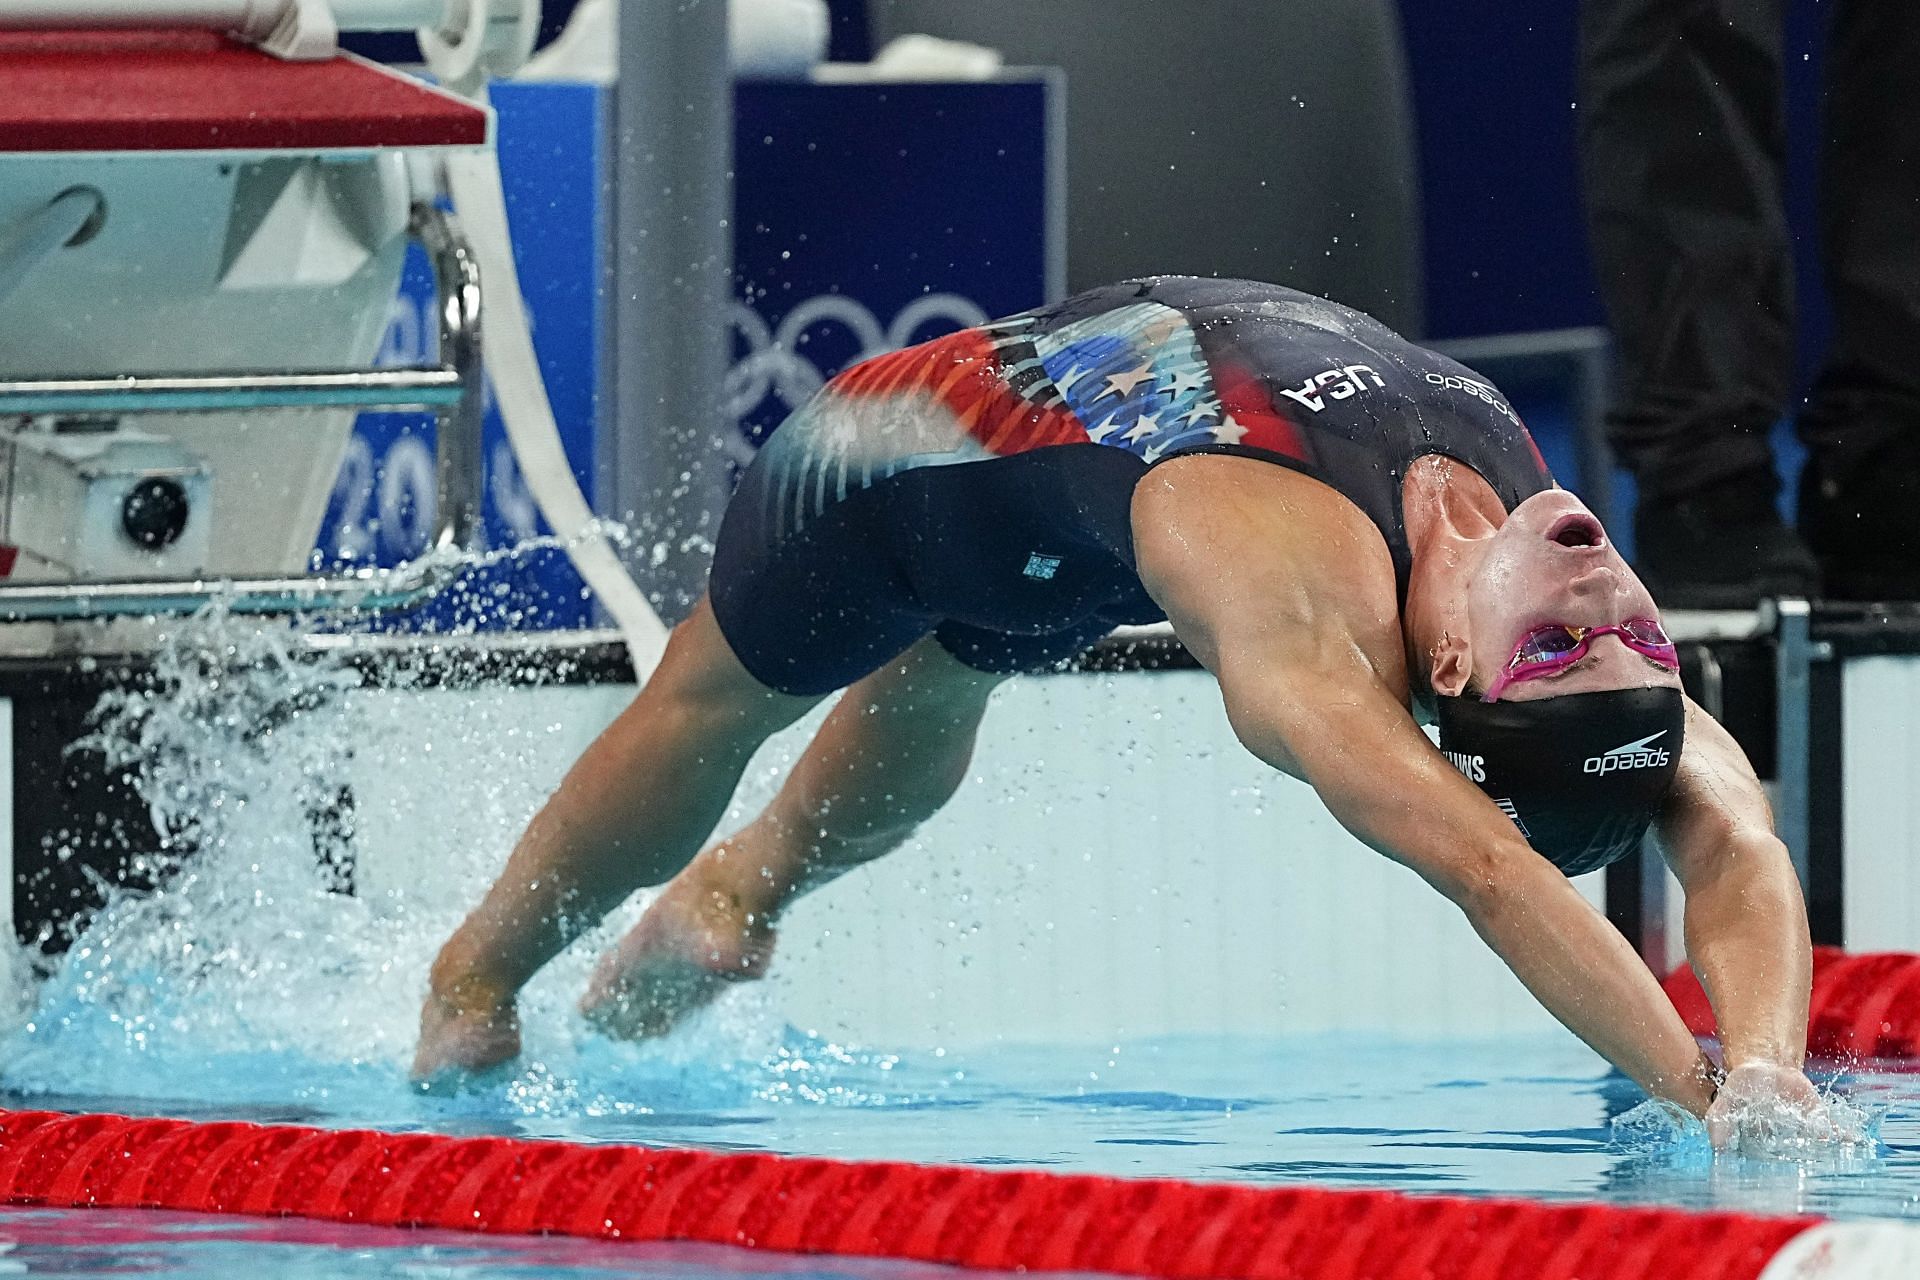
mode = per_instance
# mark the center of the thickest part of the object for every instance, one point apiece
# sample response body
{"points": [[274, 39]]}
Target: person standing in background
{"points": [[1683, 148]]}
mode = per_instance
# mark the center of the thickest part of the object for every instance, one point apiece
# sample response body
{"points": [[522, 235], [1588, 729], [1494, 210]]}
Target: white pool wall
{"points": [[1880, 743], [1117, 868]]}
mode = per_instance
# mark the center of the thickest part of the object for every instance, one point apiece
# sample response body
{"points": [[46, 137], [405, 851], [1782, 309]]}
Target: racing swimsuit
{"points": [[978, 487]]}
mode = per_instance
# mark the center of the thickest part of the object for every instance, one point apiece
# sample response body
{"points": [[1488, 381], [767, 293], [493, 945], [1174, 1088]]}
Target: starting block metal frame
{"points": [[1826, 706], [195, 93], [452, 390]]}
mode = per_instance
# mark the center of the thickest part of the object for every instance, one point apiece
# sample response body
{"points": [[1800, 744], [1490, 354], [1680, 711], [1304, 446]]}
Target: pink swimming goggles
{"points": [[1549, 650]]}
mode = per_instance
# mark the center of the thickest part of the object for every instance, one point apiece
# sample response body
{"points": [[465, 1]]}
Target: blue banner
{"points": [[867, 216]]}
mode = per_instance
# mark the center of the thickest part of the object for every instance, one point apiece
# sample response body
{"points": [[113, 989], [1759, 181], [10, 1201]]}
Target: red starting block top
{"points": [[196, 91]]}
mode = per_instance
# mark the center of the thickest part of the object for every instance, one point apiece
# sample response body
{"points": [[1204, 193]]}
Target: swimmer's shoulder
{"points": [[1201, 511]]}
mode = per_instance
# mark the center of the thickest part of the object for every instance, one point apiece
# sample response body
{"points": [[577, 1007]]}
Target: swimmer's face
{"points": [[1551, 562]]}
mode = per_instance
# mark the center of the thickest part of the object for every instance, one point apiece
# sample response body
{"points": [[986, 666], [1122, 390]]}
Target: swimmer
{"points": [[1353, 534]]}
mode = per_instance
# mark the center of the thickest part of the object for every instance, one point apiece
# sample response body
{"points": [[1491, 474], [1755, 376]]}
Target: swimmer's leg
{"points": [[631, 812], [890, 755]]}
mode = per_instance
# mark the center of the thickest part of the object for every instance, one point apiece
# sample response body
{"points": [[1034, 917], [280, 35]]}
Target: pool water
{"points": [[249, 988], [1529, 1119], [1542, 1119]]}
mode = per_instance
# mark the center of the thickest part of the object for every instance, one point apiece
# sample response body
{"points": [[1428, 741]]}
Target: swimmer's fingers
{"points": [[1763, 1107], [1757, 1132], [1722, 1127]]}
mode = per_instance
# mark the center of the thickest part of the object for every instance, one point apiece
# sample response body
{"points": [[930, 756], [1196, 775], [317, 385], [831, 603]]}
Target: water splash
{"points": [[1659, 1127], [236, 743], [277, 965], [1776, 1163], [1847, 1135]]}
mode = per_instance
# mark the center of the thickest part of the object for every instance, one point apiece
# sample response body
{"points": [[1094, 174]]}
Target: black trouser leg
{"points": [[1868, 392], [1862, 423], [1682, 145]]}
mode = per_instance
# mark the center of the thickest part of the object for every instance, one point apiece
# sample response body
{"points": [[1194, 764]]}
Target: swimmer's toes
{"points": [[452, 1080], [461, 1050], [639, 1006]]}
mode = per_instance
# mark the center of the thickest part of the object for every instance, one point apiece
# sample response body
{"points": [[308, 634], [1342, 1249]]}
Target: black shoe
{"points": [[1723, 547], [1862, 518]]}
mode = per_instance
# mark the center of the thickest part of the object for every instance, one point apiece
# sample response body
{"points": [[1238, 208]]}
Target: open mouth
{"points": [[1577, 529]]}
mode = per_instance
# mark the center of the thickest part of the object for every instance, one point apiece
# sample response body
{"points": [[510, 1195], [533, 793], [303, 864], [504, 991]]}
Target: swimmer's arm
{"points": [[1746, 925], [1381, 777], [1288, 598]]}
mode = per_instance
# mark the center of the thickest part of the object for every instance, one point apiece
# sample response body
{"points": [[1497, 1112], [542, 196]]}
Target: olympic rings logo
{"points": [[384, 500]]}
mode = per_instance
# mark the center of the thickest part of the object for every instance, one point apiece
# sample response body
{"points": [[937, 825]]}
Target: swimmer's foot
{"points": [[691, 945], [464, 1044]]}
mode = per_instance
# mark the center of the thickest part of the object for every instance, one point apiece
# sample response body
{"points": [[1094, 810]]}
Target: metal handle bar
{"points": [[454, 391]]}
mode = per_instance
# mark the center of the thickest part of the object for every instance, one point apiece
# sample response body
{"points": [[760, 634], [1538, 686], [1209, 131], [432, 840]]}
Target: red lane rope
{"points": [[1864, 1006], [994, 1219]]}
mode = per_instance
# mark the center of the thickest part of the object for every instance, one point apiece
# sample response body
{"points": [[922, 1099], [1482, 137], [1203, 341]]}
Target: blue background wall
{"points": [[1497, 108], [1496, 100], [883, 194], [867, 217]]}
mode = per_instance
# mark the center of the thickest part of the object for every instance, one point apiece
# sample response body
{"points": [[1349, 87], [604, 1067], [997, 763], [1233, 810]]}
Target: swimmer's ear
{"points": [[1452, 668]]}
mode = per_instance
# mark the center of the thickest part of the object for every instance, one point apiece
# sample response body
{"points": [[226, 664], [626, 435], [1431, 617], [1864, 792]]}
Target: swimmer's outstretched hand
{"points": [[1768, 1109]]}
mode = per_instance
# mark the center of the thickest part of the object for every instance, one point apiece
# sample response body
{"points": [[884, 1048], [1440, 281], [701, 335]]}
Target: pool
{"points": [[1533, 1120], [1522, 1119], [251, 988]]}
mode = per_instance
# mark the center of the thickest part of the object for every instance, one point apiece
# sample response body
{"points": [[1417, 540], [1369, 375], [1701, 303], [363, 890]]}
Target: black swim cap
{"points": [[1582, 774]]}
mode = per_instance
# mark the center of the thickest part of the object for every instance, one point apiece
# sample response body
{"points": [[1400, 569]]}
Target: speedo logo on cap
{"points": [[1634, 755]]}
